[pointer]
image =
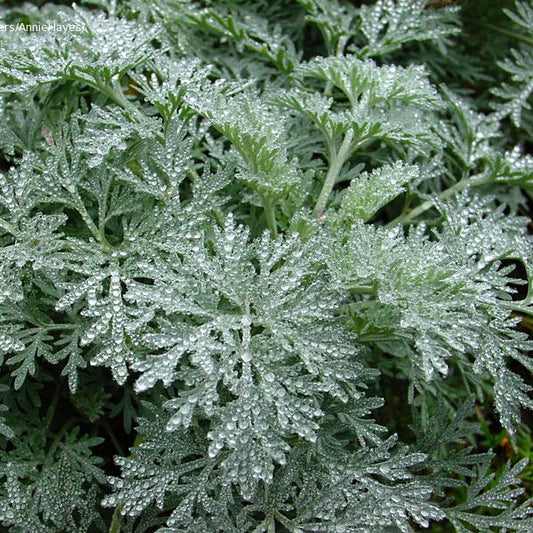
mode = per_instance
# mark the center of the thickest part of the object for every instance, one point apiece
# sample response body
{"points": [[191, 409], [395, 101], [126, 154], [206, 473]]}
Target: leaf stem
{"points": [[97, 234], [117, 96], [65, 428], [57, 327], [520, 306], [289, 524], [428, 204], [503, 31], [270, 215], [337, 160], [53, 404], [219, 217], [116, 521], [113, 438], [8, 227], [379, 337], [115, 93], [363, 289]]}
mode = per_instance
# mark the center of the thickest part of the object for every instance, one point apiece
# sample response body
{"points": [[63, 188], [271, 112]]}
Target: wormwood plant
{"points": [[264, 266]]}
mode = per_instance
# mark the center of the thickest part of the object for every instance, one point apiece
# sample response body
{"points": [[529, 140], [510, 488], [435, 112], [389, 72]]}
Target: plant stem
{"points": [[519, 307], [117, 96], [115, 93], [270, 215], [428, 204], [60, 327], [115, 522], [69, 424], [363, 289], [113, 438], [8, 227], [97, 234], [379, 337], [508, 33], [219, 217], [337, 160], [217, 212], [289, 524], [53, 404]]}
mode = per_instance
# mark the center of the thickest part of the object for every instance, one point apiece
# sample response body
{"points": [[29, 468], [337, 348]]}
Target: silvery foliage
{"points": [[53, 491], [379, 28], [191, 206], [481, 332], [384, 103], [517, 95], [258, 354], [97, 50]]}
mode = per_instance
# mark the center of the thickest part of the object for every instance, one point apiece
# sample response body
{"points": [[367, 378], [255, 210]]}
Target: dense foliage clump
{"points": [[265, 266]]}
